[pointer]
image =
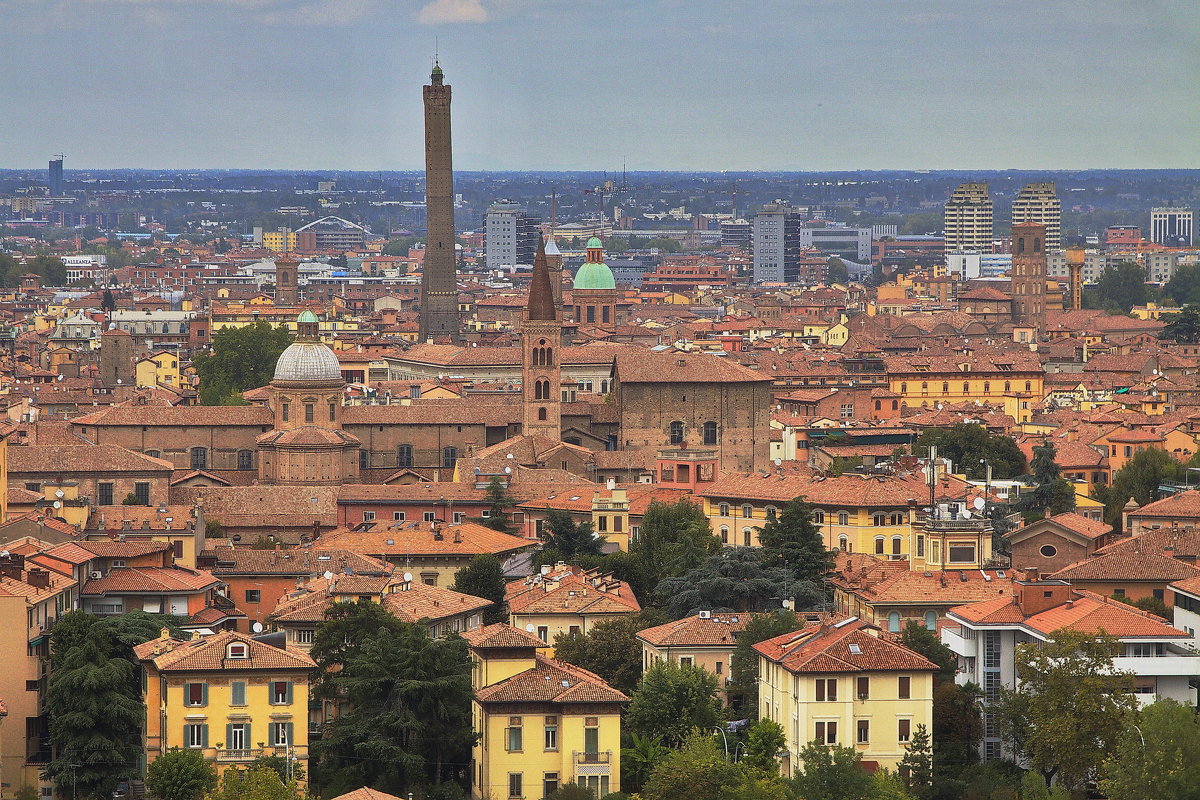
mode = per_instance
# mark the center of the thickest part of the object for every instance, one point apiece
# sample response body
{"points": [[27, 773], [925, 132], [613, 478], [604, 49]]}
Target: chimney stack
{"points": [[38, 578]]}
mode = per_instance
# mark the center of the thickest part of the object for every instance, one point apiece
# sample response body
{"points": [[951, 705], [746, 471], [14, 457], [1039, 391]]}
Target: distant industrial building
{"points": [[1172, 226], [968, 219], [847, 243], [330, 233], [1038, 203], [510, 236]]}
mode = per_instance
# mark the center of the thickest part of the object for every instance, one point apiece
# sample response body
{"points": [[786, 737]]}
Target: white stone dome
{"points": [[305, 362]]}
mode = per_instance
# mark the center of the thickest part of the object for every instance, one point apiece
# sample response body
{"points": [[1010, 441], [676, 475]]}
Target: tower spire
{"points": [[541, 304]]}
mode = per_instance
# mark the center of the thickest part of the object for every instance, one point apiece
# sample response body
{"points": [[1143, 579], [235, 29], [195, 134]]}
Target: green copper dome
{"points": [[593, 275], [594, 242], [307, 316]]}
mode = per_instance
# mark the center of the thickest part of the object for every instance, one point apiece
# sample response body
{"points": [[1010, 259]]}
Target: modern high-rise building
{"points": [[968, 219], [439, 274], [1038, 203], [1172, 226], [56, 176], [736, 233], [776, 240], [511, 236]]}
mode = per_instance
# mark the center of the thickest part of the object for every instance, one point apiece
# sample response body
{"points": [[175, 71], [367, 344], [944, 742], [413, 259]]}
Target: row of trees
{"points": [[50, 268]]}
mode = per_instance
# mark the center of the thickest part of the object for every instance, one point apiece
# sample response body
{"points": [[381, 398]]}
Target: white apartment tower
{"points": [[1038, 203], [1172, 226], [968, 219]]}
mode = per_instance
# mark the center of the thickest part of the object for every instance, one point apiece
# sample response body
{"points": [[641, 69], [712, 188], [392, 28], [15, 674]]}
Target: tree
{"points": [[108, 303], [921, 640], [1050, 489], [793, 541], [409, 723], [255, 783], [837, 271], [673, 538], [1184, 286], [743, 664], [571, 791], [1158, 759], [484, 577], [1074, 707], [95, 719], [917, 764], [180, 775], [671, 700], [699, 768], [1140, 478], [764, 740], [639, 759], [969, 445], [399, 247], [1184, 326], [1120, 287], [340, 637], [567, 538], [737, 579], [500, 501], [241, 358], [610, 648], [889, 786], [286, 769], [957, 727], [831, 773]]}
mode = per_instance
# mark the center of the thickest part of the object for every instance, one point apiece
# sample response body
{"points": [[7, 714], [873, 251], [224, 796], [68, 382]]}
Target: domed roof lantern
{"points": [[308, 327], [594, 273]]}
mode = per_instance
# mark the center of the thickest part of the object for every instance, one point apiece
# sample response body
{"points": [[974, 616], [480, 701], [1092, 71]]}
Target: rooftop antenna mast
{"points": [[553, 210]]}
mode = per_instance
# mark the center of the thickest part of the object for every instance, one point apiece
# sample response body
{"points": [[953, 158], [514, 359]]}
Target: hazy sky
{"points": [[566, 84]]}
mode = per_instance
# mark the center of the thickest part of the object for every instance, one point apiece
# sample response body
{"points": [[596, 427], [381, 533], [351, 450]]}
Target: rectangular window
{"points": [[253, 596], [591, 739], [827, 689], [513, 737], [237, 693], [961, 553], [827, 732], [551, 738], [904, 730], [549, 784], [687, 661], [281, 693], [543, 633], [398, 516], [864, 688], [308, 412], [196, 694], [905, 687], [237, 737], [141, 490], [195, 736], [430, 516], [104, 492], [279, 734], [864, 731], [304, 636], [368, 516], [514, 784]]}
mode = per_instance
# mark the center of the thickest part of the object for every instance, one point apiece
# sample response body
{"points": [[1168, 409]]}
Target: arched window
{"points": [[284, 277], [897, 545], [771, 512], [894, 621], [542, 414], [904, 388], [154, 453], [541, 390], [724, 534], [878, 545], [1021, 244], [199, 458], [723, 509], [878, 405], [1028, 386], [819, 517], [879, 519], [747, 511], [404, 455], [710, 432], [842, 542], [675, 429], [843, 518], [449, 456], [245, 459], [931, 620]]}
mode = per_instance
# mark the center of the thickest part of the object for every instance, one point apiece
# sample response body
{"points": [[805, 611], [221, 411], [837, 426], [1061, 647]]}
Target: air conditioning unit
{"points": [[95, 574], [705, 615]]}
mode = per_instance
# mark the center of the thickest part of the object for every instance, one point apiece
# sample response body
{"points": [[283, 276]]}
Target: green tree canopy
{"points": [[639, 759], [610, 648], [764, 740], [399, 247], [484, 577], [957, 727], [1184, 326], [1159, 759], [831, 773], [737, 579], [500, 500], [1184, 286], [969, 445], [793, 541], [1070, 707], [743, 664], [917, 763], [1140, 478], [180, 774], [255, 783], [671, 700], [568, 539], [1050, 490], [1120, 287], [918, 638], [673, 538], [699, 768], [240, 359]]}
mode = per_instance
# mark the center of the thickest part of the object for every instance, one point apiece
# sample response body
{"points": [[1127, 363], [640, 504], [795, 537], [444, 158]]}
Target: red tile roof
{"points": [[208, 653], [551, 681], [829, 649], [1087, 612], [717, 630]]}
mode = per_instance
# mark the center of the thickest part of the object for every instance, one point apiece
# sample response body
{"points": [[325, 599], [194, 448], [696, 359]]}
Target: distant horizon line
{"points": [[589, 170]]}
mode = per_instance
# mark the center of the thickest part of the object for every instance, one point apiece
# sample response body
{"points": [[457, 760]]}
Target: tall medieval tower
{"points": [[286, 281], [541, 348], [439, 281], [1029, 274]]}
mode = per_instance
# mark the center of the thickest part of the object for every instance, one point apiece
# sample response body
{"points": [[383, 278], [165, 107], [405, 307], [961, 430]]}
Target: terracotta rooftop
{"points": [[849, 646], [383, 539], [209, 653], [716, 630], [551, 681], [501, 636], [1086, 612]]}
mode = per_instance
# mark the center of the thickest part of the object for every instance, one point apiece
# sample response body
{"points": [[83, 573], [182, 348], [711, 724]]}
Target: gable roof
{"points": [[551, 681], [208, 653], [849, 646]]}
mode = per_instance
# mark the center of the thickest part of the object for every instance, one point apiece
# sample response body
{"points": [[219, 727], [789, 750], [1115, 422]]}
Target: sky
{"points": [[589, 84]]}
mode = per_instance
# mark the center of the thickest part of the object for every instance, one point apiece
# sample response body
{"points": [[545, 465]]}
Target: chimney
{"points": [[11, 566], [611, 484], [1035, 596], [38, 578]]}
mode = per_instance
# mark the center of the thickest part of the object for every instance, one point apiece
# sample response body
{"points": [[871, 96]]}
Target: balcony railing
{"points": [[245, 754], [601, 757]]}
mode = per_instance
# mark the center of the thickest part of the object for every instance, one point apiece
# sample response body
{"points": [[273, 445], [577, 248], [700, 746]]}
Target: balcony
{"points": [[602, 757], [1159, 666], [247, 754], [968, 648]]}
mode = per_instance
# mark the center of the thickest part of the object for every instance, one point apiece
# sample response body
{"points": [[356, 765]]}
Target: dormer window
{"points": [[237, 650]]}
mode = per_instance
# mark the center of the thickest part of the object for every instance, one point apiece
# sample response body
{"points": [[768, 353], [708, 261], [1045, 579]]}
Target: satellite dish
{"points": [[508, 470], [964, 514], [59, 493], [408, 577], [58, 504], [979, 503], [327, 575], [257, 627], [779, 462], [530, 627], [510, 455], [477, 470]]}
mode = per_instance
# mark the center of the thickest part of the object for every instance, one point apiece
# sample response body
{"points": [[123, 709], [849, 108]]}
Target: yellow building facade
{"points": [[280, 241], [844, 684], [229, 696], [541, 723], [156, 369]]}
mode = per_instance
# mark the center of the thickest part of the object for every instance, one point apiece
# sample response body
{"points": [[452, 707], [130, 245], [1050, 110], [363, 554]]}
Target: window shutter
{"points": [[291, 738], [204, 694], [289, 695], [204, 735], [229, 736]]}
